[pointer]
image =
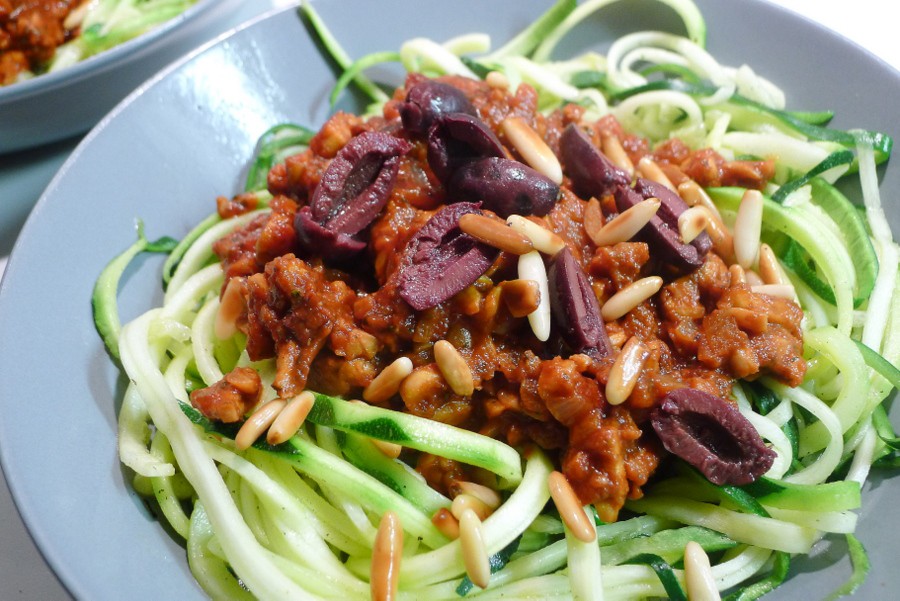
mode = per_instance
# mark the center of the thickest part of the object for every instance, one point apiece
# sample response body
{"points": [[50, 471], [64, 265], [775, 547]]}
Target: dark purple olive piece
{"points": [[358, 181], [671, 206], [428, 100], [441, 260], [592, 174], [711, 434], [458, 138], [334, 247], [354, 188], [574, 307], [664, 240], [504, 186]]}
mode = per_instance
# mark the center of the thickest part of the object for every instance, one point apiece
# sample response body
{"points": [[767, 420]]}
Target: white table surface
{"points": [[24, 576]]}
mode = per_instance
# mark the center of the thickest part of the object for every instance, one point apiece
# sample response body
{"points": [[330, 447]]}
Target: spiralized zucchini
{"points": [[298, 520]]}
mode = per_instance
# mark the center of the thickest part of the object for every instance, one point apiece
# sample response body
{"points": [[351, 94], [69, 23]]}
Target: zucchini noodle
{"points": [[300, 519]]}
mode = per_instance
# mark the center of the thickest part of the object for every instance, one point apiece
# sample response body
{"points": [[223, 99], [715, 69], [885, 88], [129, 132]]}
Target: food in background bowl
{"points": [[37, 37], [122, 44]]}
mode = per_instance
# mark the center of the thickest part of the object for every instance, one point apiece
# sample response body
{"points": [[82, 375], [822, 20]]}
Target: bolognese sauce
{"points": [[334, 325]]}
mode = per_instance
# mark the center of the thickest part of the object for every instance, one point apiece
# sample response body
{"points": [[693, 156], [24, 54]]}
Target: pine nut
{"points": [[465, 502], [570, 508], [617, 339], [648, 168], [488, 496], [291, 418], [387, 383], [532, 148], [593, 218], [231, 306], [386, 447], [626, 224], [497, 80], [753, 278], [531, 267], [780, 290], [423, 383], [257, 423], [495, 233], [76, 17], [521, 297], [723, 242], [475, 557], [454, 368], [445, 521], [615, 152], [386, 556], [625, 371], [738, 276], [691, 193], [389, 449], [747, 228], [630, 297], [691, 223], [698, 575], [769, 268], [541, 238]]}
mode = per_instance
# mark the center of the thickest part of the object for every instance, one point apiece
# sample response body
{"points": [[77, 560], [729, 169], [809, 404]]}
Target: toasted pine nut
{"points": [[738, 276], [291, 418], [691, 192], [625, 371], [593, 218], [230, 308], [258, 423], [747, 228], [781, 290], [626, 224], [617, 339], [488, 496], [454, 368], [570, 508], [698, 575], [531, 267], [464, 502], [387, 383], [520, 296], [648, 168], [422, 383], [76, 17], [723, 242], [532, 148], [691, 223], [475, 556], [541, 238], [753, 278], [497, 80], [388, 449], [630, 297], [615, 152], [769, 269], [496, 233], [386, 556], [445, 521]]}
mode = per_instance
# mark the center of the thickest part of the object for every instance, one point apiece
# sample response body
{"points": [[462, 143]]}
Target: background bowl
{"points": [[70, 101]]}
